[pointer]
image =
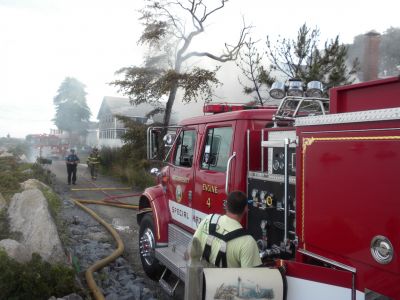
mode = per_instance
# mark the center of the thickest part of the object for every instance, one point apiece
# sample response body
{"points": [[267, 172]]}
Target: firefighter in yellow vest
{"points": [[94, 162], [224, 241]]}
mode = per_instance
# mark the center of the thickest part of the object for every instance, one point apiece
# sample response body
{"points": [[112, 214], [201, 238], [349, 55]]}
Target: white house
{"points": [[92, 137], [110, 128]]}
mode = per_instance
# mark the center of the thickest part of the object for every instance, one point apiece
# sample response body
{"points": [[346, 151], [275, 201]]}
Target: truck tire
{"points": [[147, 245]]}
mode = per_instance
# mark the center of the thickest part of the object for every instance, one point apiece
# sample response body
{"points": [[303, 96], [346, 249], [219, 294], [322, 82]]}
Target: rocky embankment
{"points": [[84, 242], [29, 215]]}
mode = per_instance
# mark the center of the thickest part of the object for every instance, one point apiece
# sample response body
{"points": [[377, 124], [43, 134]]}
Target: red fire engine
{"points": [[47, 146], [322, 181]]}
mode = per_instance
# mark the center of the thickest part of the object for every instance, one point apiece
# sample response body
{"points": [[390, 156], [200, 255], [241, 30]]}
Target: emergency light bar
{"points": [[227, 107], [222, 107]]}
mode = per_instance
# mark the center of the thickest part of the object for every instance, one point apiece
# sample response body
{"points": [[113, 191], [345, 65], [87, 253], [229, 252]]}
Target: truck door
{"points": [[211, 172], [181, 177]]}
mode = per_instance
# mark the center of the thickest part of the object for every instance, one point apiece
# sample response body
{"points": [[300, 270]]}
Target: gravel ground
{"points": [[90, 242]]}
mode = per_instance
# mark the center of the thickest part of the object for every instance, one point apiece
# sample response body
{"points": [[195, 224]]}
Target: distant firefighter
{"points": [[94, 162]]}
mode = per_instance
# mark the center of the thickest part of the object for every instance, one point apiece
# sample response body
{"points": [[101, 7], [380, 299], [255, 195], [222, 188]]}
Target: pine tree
{"points": [[72, 111], [300, 58]]}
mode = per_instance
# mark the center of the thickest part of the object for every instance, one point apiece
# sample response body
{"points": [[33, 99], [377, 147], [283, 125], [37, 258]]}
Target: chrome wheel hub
{"points": [[147, 246]]}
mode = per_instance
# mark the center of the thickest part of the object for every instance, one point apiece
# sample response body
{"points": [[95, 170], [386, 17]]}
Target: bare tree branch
{"points": [[166, 32], [231, 53]]}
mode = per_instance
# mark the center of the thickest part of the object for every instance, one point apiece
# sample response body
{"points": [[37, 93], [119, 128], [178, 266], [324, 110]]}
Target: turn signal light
{"points": [[164, 179]]}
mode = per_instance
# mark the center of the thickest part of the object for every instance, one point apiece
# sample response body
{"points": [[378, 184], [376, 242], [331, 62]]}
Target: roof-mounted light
{"points": [[220, 108], [295, 88], [277, 90], [227, 107], [315, 89]]}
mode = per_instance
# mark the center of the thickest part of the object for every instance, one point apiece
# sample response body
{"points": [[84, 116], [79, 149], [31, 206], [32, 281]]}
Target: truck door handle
{"points": [[228, 168]]}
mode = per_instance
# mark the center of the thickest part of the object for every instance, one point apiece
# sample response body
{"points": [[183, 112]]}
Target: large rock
{"points": [[16, 250], [29, 214], [33, 184], [3, 202]]}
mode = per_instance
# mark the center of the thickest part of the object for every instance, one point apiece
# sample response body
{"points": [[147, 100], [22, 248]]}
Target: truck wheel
{"points": [[147, 245]]}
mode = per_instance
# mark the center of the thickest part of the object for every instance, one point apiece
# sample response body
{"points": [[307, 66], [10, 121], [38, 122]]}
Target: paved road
{"points": [[123, 220]]}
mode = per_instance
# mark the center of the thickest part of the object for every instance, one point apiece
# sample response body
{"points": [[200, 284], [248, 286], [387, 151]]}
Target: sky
{"points": [[44, 41]]}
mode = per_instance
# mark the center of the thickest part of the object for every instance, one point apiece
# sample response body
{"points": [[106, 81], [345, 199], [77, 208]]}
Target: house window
{"points": [[217, 149], [185, 148]]}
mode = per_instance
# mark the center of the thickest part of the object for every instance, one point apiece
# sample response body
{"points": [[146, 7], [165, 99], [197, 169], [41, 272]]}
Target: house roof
{"points": [[121, 106]]}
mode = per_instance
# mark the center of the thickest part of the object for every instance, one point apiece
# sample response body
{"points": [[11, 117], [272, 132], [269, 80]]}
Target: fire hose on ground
{"points": [[120, 245]]}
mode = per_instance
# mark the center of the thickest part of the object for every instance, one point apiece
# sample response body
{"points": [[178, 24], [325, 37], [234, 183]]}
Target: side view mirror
{"points": [[159, 147], [155, 171]]}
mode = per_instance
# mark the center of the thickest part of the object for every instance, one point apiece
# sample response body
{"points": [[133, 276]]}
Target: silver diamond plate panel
{"points": [[178, 238], [173, 256], [173, 261], [271, 177], [352, 117], [281, 135]]}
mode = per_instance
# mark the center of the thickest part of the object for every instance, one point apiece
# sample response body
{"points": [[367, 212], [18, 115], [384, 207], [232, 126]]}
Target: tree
{"points": [[300, 58], [169, 29], [72, 112], [250, 63]]}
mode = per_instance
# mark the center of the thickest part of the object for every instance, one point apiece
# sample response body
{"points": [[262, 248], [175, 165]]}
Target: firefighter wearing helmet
{"points": [[94, 162]]}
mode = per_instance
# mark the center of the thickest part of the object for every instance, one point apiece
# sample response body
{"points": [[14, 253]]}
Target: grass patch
{"points": [[36, 279], [53, 200]]}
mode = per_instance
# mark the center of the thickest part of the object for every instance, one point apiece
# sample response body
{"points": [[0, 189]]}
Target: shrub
{"points": [[41, 174], [4, 226], [36, 279], [9, 183], [141, 178]]}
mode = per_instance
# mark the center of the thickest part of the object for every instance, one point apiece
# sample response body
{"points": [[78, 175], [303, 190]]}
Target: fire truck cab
{"points": [[321, 177]]}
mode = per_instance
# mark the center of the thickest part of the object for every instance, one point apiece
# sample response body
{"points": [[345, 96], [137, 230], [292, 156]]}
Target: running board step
{"points": [[173, 256], [170, 290]]}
